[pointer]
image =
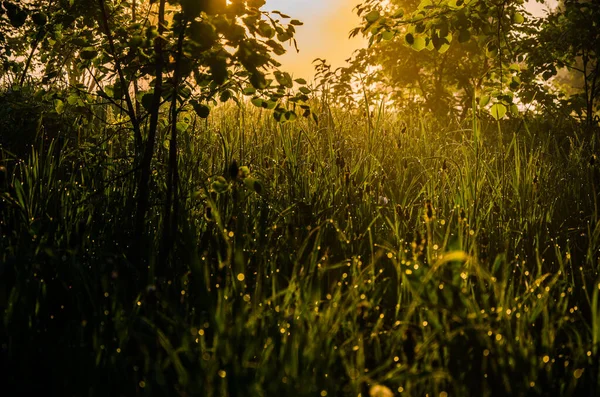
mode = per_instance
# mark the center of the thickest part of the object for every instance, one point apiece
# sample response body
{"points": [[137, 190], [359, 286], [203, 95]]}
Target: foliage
{"points": [[494, 52], [568, 38], [336, 257], [154, 243]]}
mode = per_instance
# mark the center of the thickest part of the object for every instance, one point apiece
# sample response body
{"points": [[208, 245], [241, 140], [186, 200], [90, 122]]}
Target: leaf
{"points": [[254, 184], [147, 100], [498, 110], [203, 34], [201, 110], [409, 38], [258, 81], [220, 185], [258, 102], [88, 53], [484, 100], [387, 35], [258, 4], [284, 79], [39, 18], [181, 126], [419, 43], [249, 91], [276, 47], [59, 106], [225, 96], [372, 16], [72, 99], [518, 18], [266, 30], [290, 115], [218, 70], [300, 81], [425, 4], [443, 48], [296, 22], [464, 35]]}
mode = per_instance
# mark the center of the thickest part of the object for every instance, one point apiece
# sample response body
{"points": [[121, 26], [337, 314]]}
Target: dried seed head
{"points": [[462, 216], [429, 212], [233, 169], [400, 212]]}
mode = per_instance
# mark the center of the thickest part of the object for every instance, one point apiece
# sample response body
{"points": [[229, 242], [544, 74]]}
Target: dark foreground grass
{"points": [[396, 255]]}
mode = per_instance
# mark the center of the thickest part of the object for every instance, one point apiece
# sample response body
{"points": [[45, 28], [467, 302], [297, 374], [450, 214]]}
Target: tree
{"points": [[191, 53], [485, 30], [569, 38]]}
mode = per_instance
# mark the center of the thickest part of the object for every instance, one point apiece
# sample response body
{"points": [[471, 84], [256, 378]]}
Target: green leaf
{"points": [[181, 126], [225, 96], [201, 110], [443, 48], [387, 35], [147, 100], [464, 35], [284, 79], [409, 38], [203, 34], [59, 106], [266, 30], [498, 110], [256, 3], [220, 185], [258, 81], [290, 115], [518, 18], [39, 18], [296, 22], [218, 70], [254, 184], [72, 99], [276, 47], [88, 53], [258, 102], [300, 81], [249, 91], [419, 43], [484, 100], [372, 16]]}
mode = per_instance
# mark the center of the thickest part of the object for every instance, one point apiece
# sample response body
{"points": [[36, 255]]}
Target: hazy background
{"points": [[325, 31]]}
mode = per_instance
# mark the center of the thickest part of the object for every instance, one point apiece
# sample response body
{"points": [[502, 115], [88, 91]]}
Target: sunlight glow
{"points": [[323, 35]]}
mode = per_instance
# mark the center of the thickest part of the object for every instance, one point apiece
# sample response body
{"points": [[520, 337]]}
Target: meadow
{"points": [[366, 254]]}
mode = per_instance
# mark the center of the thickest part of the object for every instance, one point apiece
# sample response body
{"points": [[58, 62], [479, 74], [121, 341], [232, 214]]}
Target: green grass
{"points": [[396, 250]]}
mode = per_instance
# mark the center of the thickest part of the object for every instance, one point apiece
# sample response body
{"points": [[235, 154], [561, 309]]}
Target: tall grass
{"points": [[395, 250]]}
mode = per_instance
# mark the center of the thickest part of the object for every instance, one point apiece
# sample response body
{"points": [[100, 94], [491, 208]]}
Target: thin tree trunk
{"points": [[138, 143], [130, 109], [172, 201], [143, 195]]}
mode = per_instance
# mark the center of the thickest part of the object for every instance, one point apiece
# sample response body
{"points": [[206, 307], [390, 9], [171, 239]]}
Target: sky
{"points": [[325, 32], [323, 35]]}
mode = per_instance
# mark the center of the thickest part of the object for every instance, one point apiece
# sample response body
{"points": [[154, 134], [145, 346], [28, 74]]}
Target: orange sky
{"points": [[323, 35], [325, 32]]}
